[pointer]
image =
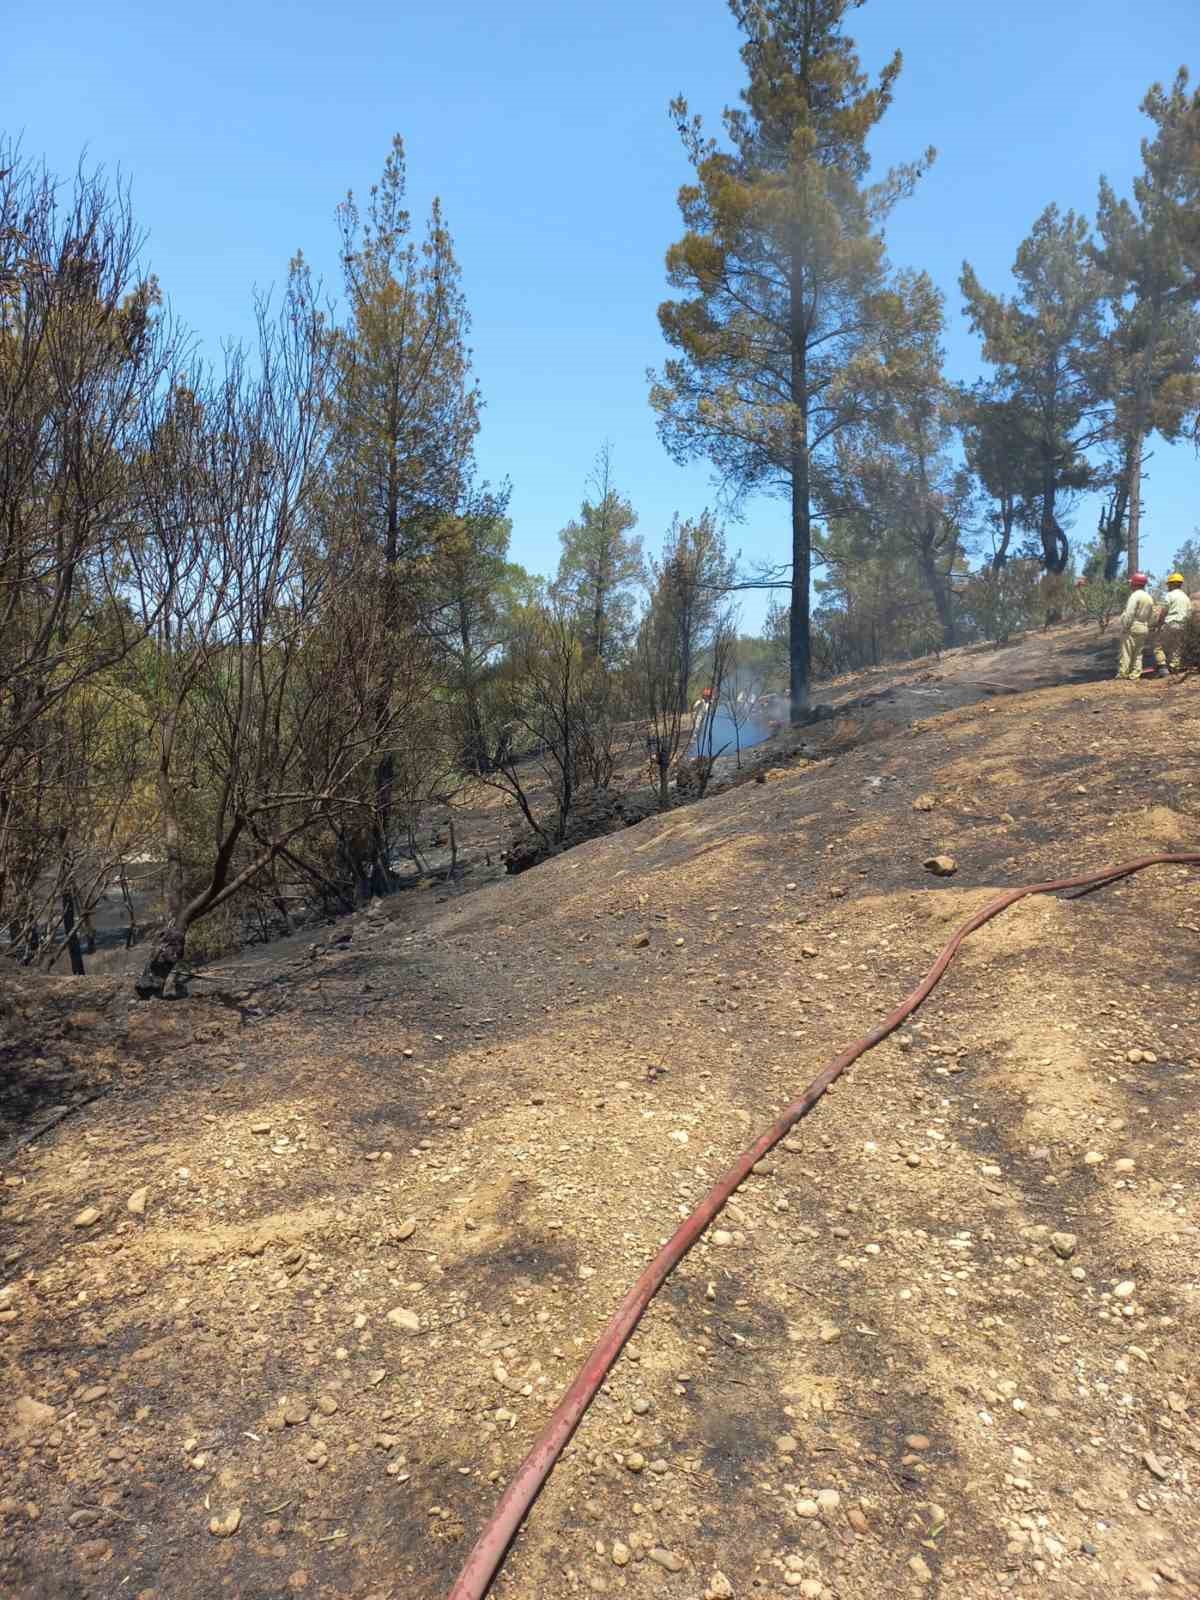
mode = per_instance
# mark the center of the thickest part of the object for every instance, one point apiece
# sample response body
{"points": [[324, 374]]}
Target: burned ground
{"points": [[877, 1374]]}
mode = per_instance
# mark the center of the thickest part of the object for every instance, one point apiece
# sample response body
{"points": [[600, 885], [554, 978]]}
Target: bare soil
{"points": [[877, 1376]]}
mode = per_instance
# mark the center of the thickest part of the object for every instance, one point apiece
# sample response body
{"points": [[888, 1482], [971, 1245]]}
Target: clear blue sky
{"points": [[543, 127]]}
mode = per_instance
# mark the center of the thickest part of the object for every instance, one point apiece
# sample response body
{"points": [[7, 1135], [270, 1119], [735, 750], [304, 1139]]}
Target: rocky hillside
{"points": [[284, 1306]]}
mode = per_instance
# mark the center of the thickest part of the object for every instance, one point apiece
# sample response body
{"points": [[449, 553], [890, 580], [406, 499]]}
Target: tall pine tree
{"points": [[784, 278], [1151, 374], [404, 423], [1045, 343]]}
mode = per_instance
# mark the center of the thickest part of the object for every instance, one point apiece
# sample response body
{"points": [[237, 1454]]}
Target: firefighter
{"points": [[1171, 621], [1136, 620]]}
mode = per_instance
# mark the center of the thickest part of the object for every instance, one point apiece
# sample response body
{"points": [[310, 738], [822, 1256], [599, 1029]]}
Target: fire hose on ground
{"points": [[485, 1558]]}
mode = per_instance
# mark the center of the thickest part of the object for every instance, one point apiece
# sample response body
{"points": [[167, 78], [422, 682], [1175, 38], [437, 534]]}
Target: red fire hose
{"points": [[484, 1561]]}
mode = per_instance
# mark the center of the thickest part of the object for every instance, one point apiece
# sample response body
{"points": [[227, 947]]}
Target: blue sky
{"points": [[543, 127]]}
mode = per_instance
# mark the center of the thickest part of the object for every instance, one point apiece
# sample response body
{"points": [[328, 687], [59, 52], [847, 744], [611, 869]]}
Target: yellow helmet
{"points": [[1177, 577]]}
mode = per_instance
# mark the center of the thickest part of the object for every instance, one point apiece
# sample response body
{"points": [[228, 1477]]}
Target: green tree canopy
{"points": [[1151, 369], [601, 567], [785, 285]]}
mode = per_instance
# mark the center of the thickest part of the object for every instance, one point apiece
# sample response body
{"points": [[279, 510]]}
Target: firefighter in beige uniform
{"points": [[1171, 620], [1136, 622]]}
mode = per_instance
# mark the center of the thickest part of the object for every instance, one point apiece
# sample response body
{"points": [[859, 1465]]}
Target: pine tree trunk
{"points": [[168, 948], [943, 598], [165, 955], [799, 633], [72, 937], [1135, 503]]}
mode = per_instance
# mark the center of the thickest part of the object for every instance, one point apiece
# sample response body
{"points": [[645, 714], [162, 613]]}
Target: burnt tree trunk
{"points": [[799, 631], [1135, 503], [71, 935]]}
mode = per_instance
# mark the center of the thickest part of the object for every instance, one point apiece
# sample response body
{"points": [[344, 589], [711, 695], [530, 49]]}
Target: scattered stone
{"points": [[1126, 1290], [1093, 1158], [1155, 1466], [137, 1202], [941, 866], [295, 1414], [808, 1509], [924, 802], [857, 1519], [1007, 818], [1126, 1164], [408, 1320], [640, 1407], [635, 1461], [32, 1416], [326, 1405], [260, 1127], [406, 1230], [786, 1445], [621, 1553], [722, 1236], [920, 1569], [829, 1334], [719, 1587], [1064, 1245], [812, 1588], [667, 1559], [94, 1551], [86, 1217], [917, 1441], [912, 1160], [829, 1500], [809, 952], [640, 941], [225, 1527]]}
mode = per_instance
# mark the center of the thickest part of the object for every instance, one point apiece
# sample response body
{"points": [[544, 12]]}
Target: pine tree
{"points": [[1045, 343], [1152, 370], [600, 567], [690, 584], [998, 439], [407, 408], [901, 482], [405, 419], [784, 275]]}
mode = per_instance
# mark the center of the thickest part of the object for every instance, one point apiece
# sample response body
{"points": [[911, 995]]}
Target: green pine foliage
{"points": [[785, 295]]}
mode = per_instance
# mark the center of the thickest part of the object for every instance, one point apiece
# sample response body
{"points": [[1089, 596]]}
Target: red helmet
{"points": [[1139, 580]]}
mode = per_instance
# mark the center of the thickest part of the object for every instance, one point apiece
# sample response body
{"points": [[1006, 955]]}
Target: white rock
{"points": [[408, 1320]]}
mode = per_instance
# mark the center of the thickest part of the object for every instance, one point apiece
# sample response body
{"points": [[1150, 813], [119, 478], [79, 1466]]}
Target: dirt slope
{"points": [[878, 1377]]}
